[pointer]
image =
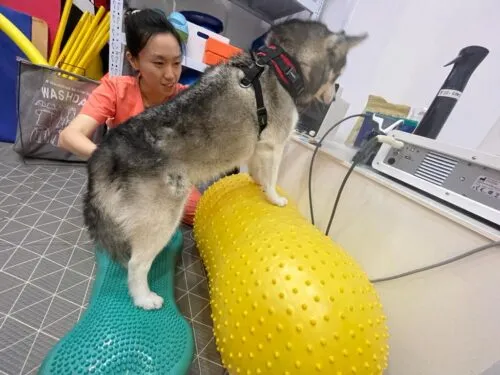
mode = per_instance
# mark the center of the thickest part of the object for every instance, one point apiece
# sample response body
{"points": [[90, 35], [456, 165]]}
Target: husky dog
{"points": [[140, 176]]}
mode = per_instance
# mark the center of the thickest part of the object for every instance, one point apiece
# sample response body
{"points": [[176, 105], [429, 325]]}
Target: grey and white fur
{"points": [[141, 174]]}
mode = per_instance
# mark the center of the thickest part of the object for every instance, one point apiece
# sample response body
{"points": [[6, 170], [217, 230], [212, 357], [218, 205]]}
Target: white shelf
{"points": [[266, 10], [313, 6], [193, 64], [272, 10]]}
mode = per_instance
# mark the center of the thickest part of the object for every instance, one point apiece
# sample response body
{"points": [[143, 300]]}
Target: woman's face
{"points": [[159, 64]]}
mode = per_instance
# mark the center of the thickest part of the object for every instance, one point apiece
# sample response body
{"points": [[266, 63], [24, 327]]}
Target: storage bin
{"points": [[216, 51], [197, 39], [46, 103]]}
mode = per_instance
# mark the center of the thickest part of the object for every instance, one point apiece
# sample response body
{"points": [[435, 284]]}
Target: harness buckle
{"points": [[245, 83], [294, 79], [262, 61], [260, 64], [291, 74], [262, 117]]}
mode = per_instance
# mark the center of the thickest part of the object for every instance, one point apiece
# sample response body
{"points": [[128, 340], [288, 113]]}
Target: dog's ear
{"points": [[344, 42], [354, 40]]}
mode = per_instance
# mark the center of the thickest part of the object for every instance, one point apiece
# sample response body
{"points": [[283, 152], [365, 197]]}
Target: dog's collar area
{"points": [[286, 69]]}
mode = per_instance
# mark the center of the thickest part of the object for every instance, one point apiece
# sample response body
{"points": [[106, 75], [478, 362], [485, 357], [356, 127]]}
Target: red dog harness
{"points": [[287, 71]]}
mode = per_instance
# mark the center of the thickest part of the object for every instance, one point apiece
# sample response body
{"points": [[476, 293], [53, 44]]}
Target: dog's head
{"points": [[321, 54]]}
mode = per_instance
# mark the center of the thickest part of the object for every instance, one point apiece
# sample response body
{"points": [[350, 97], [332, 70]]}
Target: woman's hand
{"points": [[75, 138]]}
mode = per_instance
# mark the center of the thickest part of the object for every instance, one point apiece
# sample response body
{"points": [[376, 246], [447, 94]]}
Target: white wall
{"points": [[491, 142], [336, 13], [410, 41]]}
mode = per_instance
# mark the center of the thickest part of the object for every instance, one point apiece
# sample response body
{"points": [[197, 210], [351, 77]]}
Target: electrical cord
{"points": [[361, 156], [439, 264], [318, 145], [339, 194]]}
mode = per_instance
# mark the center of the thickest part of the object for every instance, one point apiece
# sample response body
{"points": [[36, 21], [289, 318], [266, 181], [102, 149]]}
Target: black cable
{"points": [[339, 193], [362, 156], [439, 264], [318, 145]]}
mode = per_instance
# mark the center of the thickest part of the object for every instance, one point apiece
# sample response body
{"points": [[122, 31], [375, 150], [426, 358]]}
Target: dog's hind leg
{"points": [[156, 217], [144, 251], [147, 241], [264, 167]]}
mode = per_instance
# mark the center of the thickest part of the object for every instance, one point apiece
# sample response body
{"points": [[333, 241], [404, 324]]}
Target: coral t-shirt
{"points": [[117, 99]]}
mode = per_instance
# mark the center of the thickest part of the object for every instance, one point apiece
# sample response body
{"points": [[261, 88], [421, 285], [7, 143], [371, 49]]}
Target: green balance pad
{"points": [[115, 337]]}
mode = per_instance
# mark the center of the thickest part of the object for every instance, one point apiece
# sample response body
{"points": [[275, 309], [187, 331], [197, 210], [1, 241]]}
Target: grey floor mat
{"points": [[47, 268]]}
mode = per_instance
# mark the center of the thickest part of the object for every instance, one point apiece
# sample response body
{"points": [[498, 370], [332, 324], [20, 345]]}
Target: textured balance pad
{"points": [[115, 337]]}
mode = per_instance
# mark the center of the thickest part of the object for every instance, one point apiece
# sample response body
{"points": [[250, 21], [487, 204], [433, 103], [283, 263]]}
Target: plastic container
{"points": [[197, 39], [178, 21], [216, 51]]}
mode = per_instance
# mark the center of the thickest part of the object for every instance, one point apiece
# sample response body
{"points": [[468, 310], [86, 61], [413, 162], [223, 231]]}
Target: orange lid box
{"points": [[217, 51]]}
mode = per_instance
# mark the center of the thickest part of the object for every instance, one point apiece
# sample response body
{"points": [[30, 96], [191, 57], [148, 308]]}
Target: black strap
{"points": [[295, 83], [286, 69], [261, 109], [252, 75], [266, 54]]}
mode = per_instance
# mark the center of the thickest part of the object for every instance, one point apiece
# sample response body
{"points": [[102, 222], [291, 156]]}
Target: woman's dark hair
{"points": [[141, 25]]}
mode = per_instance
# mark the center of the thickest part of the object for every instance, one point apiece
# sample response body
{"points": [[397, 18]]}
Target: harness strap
{"points": [[286, 69], [252, 75]]}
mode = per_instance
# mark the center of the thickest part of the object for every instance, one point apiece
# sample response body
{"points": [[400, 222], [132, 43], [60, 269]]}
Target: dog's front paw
{"points": [[278, 200], [150, 301]]}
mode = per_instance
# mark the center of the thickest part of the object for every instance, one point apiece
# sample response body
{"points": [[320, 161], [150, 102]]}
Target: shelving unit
{"points": [[266, 10], [271, 11]]}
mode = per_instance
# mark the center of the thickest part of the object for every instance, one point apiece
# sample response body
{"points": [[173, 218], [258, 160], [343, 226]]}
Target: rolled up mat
{"points": [[285, 299], [114, 337]]}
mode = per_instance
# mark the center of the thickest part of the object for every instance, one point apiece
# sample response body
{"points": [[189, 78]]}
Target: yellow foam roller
{"points": [[285, 298], [60, 32], [21, 41]]}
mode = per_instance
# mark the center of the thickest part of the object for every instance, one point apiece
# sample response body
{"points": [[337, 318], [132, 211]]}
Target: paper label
{"points": [[488, 186], [454, 94]]}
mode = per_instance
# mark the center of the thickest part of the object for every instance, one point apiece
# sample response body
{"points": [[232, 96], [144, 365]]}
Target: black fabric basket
{"points": [[47, 100]]}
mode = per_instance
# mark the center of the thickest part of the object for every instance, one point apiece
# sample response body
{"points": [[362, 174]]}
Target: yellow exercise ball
{"points": [[285, 298]]}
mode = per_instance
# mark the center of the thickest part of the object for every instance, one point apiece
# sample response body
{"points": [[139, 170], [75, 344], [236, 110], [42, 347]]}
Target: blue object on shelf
{"points": [[178, 21], [259, 42], [189, 76], [204, 20], [8, 72], [368, 125]]}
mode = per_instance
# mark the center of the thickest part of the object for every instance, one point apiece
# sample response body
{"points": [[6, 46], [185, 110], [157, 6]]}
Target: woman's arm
{"points": [[98, 109], [76, 137]]}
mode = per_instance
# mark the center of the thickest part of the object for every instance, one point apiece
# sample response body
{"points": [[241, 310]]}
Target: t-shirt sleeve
{"points": [[181, 87], [101, 104]]}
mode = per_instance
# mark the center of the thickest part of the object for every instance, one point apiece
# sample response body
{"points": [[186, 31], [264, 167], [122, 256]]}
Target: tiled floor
{"points": [[47, 268]]}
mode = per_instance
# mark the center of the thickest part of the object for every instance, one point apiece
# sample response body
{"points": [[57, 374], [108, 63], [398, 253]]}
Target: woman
{"points": [[155, 53]]}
